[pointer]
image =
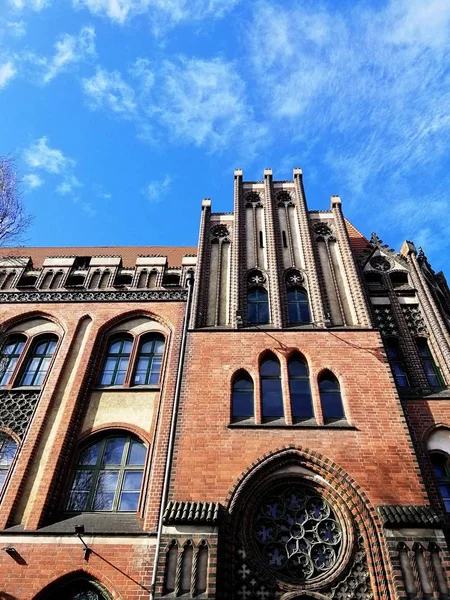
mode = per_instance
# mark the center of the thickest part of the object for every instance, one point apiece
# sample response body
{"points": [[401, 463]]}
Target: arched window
{"points": [[79, 588], [396, 361], [108, 475], [11, 353], [431, 369], [242, 401], [149, 360], [441, 468], [8, 448], [38, 360], [299, 388], [271, 394], [298, 307], [330, 397], [257, 306], [116, 362]]}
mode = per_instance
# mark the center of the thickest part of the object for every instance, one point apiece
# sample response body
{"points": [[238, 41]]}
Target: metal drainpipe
{"points": [[176, 402]]}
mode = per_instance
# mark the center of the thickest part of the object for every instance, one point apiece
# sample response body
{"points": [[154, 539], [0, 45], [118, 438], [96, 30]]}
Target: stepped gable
{"points": [[129, 254]]}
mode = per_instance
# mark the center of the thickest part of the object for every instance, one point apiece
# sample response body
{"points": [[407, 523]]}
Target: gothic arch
{"points": [[90, 576], [337, 486]]}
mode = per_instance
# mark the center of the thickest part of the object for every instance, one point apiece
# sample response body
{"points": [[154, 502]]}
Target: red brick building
{"points": [[264, 416]]}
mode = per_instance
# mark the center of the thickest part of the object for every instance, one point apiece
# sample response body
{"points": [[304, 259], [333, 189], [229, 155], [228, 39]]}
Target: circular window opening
{"points": [[296, 533]]}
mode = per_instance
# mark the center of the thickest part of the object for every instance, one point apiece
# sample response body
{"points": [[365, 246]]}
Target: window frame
{"points": [[136, 341], [257, 303], [429, 359], [271, 418], [19, 338], [242, 375], [30, 356], [143, 339], [296, 356], [297, 303], [7, 437], [15, 381], [330, 418], [98, 467], [392, 343], [444, 480]]}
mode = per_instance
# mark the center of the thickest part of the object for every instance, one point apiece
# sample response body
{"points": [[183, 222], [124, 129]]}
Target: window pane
{"points": [[120, 378], [106, 378], [243, 384], [263, 316], [159, 346], [82, 481], [2, 478], [301, 398], [51, 347], [438, 468], [127, 347], [293, 313], [298, 368], [132, 481], [41, 347], [137, 453], [147, 347], [113, 451], [251, 313], [272, 398], [77, 501], [7, 451], [304, 313], [332, 405], [328, 385], [243, 404], [105, 492], [270, 367], [89, 456], [115, 347], [129, 501]]}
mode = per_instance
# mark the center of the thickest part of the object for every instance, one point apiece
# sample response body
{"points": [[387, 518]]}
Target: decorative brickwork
{"points": [[16, 410]]}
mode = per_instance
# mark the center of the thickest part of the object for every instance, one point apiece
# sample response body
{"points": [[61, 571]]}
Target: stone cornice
{"points": [[37, 297]]}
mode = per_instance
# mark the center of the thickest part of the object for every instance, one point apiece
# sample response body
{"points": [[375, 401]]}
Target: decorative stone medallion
{"points": [[380, 263], [253, 197], [219, 231], [294, 278], [256, 278], [297, 534], [322, 229]]}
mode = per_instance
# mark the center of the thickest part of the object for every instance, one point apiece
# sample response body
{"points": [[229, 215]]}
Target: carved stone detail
{"points": [[94, 296], [385, 320], [322, 229], [220, 231], [16, 409], [380, 263], [414, 319]]}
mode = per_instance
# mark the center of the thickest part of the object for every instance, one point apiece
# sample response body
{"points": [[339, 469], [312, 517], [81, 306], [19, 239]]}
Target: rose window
{"points": [[297, 533], [380, 263]]}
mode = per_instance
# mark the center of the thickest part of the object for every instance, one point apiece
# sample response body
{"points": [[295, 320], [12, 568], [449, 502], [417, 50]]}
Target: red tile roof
{"points": [[357, 241], [128, 253]]}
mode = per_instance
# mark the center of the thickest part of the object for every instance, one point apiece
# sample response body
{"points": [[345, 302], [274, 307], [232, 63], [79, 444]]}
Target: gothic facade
{"points": [[263, 416]]}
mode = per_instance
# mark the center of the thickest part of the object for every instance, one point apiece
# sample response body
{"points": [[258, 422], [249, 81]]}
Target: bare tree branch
{"points": [[14, 220]]}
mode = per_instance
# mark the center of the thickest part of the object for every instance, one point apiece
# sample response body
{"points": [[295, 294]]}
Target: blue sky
{"points": [[124, 114]]}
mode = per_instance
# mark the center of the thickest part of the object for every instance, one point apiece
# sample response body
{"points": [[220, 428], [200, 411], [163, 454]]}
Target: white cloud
{"points": [[156, 190], [141, 71], [7, 72], [68, 185], [32, 181], [36, 5], [163, 13], [205, 102], [16, 29], [70, 49], [107, 90], [39, 155]]}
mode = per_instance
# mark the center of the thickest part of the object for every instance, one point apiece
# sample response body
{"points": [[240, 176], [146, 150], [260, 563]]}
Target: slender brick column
{"points": [[308, 252], [198, 315], [273, 268], [237, 247]]}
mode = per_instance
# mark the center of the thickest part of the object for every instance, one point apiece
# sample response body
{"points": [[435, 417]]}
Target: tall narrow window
{"points": [[271, 394], [38, 361], [298, 307], [299, 388], [283, 235], [257, 306], [261, 240], [330, 397], [441, 468], [11, 354], [116, 363], [396, 362], [243, 405], [431, 369], [7, 450], [108, 476], [149, 360]]}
